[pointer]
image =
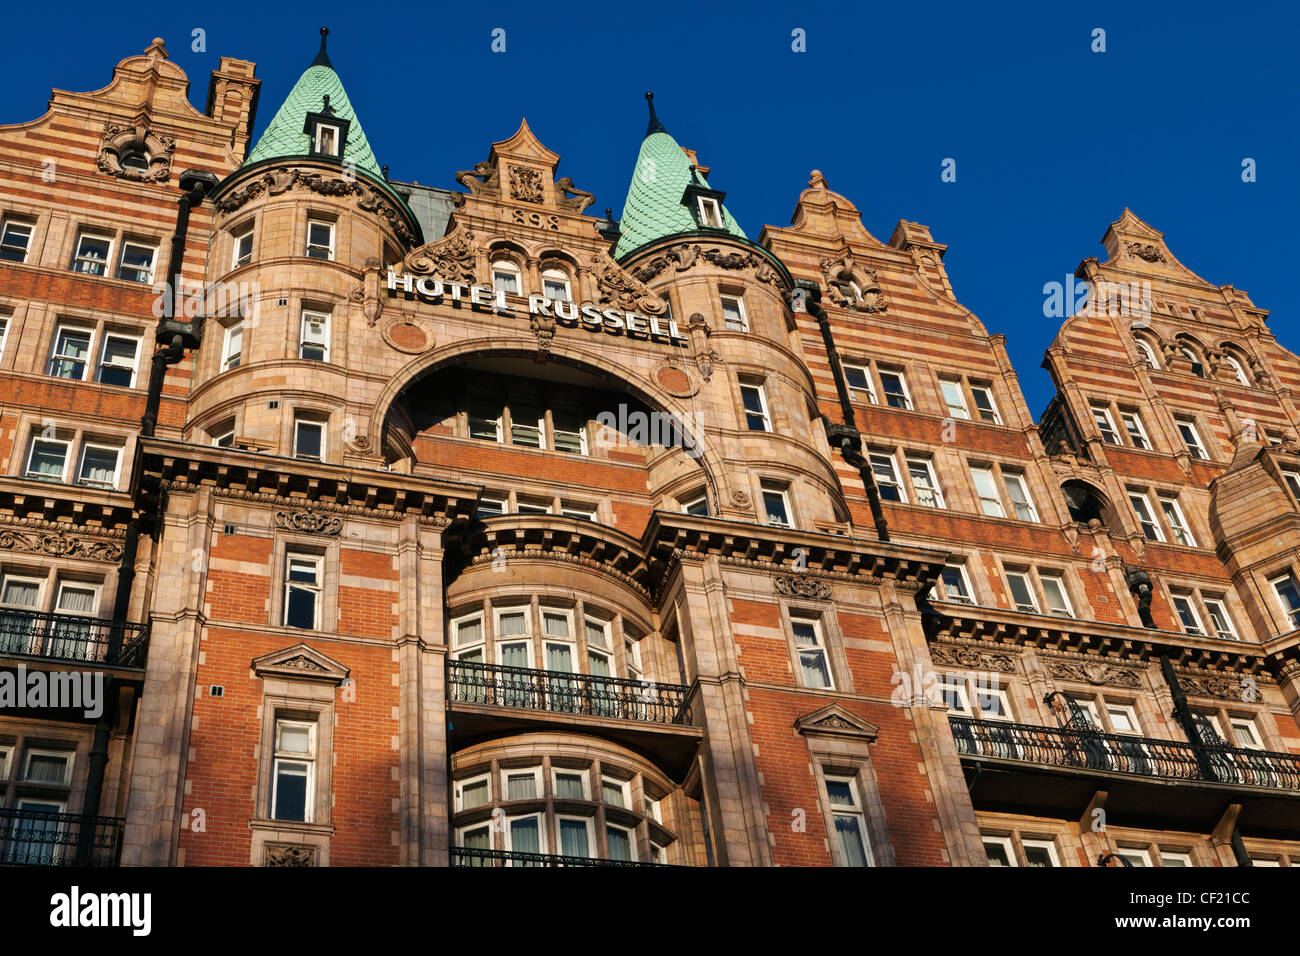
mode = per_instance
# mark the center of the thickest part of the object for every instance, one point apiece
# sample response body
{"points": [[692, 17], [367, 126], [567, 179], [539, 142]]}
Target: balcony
{"points": [[42, 838], [1018, 765], [68, 637], [489, 700], [465, 856]]}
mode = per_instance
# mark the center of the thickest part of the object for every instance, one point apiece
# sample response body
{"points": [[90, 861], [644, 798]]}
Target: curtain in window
{"points": [[72, 638], [849, 832], [47, 461], [524, 836], [516, 688], [521, 787], [563, 692], [99, 467], [15, 628], [568, 787], [509, 625], [555, 625], [573, 838], [620, 847]]}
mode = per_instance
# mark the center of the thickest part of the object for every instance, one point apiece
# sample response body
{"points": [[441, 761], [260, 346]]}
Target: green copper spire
{"points": [[654, 206], [284, 136]]}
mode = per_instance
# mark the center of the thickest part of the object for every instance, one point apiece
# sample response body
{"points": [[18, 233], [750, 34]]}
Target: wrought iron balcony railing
{"points": [[1120, 753], [44, 838], [469, 682], [69, 637], [466, 856]]}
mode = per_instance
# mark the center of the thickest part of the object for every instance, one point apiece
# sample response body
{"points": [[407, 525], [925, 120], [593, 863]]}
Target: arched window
{"points": [[135, 159], [1237, 370], [555, 285], [1198, 369], [1148, 353], [505, 277]]}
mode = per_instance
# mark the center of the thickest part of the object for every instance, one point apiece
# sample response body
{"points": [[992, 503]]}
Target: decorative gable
{"points": [[835, 721], [302, 663]]}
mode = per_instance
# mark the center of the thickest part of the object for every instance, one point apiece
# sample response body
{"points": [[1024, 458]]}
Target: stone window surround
{"points": [[22, 735], [997, 467], [1075, 593], [118, 235], [847, 753], [1037, 831], [289, 693], [99, 325], [331, 573], [1222, 592], [558, 501], [76, 434], [1260, 716], [236, 228], [635, 817], [1272, 601], [316, 410], [211, 352], [577, 608], [1140, 701], [52, 573], [967, 383], [832, 641]]}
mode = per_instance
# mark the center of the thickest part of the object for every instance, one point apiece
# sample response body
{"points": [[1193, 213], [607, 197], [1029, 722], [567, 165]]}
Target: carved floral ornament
{"points": [[60, 544], [288, 854], [281, 179], [309, 521], [1097, 673], [684, 256], [802, 586], [1146, 251], [525, 184], [960, 655], [121, 143]]}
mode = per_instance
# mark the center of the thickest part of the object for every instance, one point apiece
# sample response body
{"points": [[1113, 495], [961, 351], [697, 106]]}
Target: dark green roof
{"points": [[654, 207]]}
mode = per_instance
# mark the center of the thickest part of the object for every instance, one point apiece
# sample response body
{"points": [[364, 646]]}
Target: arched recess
{"points": [[1087, 502], [563, 356]]}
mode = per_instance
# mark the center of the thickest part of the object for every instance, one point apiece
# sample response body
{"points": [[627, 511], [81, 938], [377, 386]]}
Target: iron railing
{"points": [[561, 692], [1120, 753], [45, 838], [467, 856], [70, 637]]}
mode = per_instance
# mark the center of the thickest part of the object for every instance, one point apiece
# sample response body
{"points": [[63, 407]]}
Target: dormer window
{"points": [[328, 132], [327, 139], [710, 212]]}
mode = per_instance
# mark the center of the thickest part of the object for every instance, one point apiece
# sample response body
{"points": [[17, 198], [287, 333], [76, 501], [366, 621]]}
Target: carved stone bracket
{"points": [[619, 289], [453, 257]]}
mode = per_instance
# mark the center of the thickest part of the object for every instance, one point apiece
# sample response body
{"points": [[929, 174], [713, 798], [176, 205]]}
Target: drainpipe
{"points": [[845, 437], [178, 335]]}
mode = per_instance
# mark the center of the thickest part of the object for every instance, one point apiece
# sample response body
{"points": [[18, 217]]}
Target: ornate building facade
{"points": [[411, 526]]}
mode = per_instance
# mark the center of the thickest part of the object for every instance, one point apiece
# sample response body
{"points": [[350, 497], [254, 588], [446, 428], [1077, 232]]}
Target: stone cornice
{"points": [[175, 466], [1096, 639], [39, 504]]}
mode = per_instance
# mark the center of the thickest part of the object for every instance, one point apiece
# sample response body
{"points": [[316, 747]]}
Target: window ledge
{"points": [[290, 829]]}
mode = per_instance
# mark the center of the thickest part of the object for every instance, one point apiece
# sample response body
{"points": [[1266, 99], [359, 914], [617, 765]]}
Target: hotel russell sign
{"points": [[436, 291]]}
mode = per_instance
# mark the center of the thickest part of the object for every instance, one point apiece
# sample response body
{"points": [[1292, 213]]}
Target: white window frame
{"points": [[31, 454], [534, 772], [153, 260], [926, 465], [902, 384], [68, 756], [723, 299], [37, 604], [134, 365], [624, 787], [992, 410], [818, 646], [233, 331], [766, 488], [951, 391], [633, 855], [854, 810], [1148, 354], [885, 459], [1058, 578], [458, 789], [506, 267], [1137, 433], [573, 509], [1228, 630], [1106, 425], [1016, 479], [583, 775], [854, 391], [710, 212], [238, 258], [309, 245], [10, 222], [581, 432], [1042, 844], [309, 804], [558, 276], [105, 263], [6, 755], [1130, 853], [588, 823], [763, 413], [1197, 627], [1016, 603], [1196, 362], [700, 499], [535, 506], [458, 650], [541, 831], [298, 422], [57, 356], [1292, 480], [1278, 584], [315, 589], [319, 136], [964, 580], [99, 446], [983, 496], [1141, 504], [503, 506], [1177, 523], [312, 317], [1004, 842], [1195, 446]]}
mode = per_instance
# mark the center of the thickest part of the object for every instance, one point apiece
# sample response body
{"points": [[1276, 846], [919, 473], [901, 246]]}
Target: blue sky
{"points": [[1051, 140]]}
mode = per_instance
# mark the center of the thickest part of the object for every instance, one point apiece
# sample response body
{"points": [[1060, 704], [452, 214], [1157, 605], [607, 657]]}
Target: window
{"points": [[233, 347], [812, 652], [710, 213], [859, 381], [895, 389], [505, 277], [555, 285], [1292, 479], [92, 255], [117, 361], [4, 332], [574, 510], [485, 418], [620, 842], [698, 505], [568, 430], [614, 792], [527, 425], [1022, 595], [135, 159], [886, 475], [776, 504], [1237, 371], [520, 784], [320, 239], [1198, 369], [1217, 612], [1148, 354], [473, 792], [1187, 613], [243, 252], [308, 438], [733, 313], [1177, 524], [924, 485], [983, 397], [302, 591], [575, 836], [137, 262], [71, 351], [532, 506], [15, 241], [48, 459], [1142, 508], [98, 466], [1040, 853], [467, 639], [16, 631], [490, 506], [570, 785], [755, 404], [849, 821], [1190, 437], [327, 139], [292, 776], [223, 436], [1288, 594], [987, 491], [1058, 599], [954, 585], [48, 766], [1137, 435], [954, 399], [1101, 415], [1019, 496], [999, 851], [1135, 857], [314, 343], [1171, 858], [524, 834], [1246, 732]]}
